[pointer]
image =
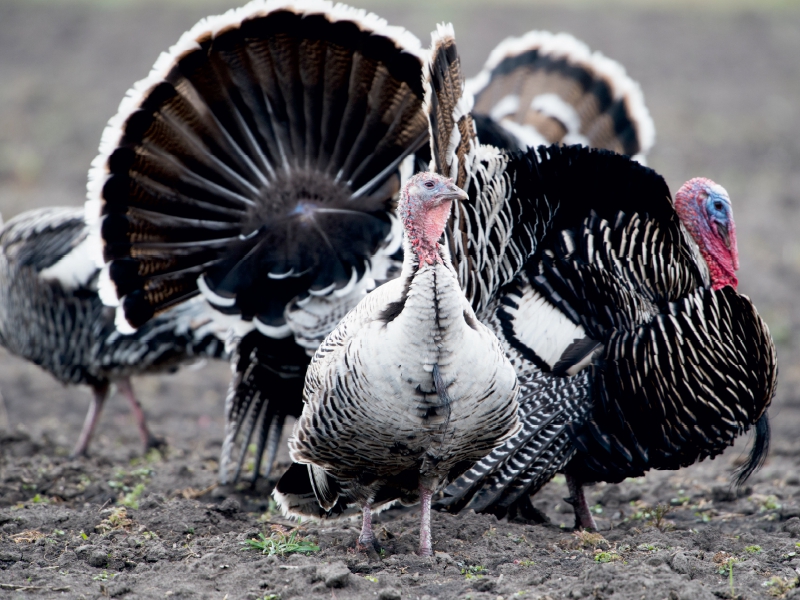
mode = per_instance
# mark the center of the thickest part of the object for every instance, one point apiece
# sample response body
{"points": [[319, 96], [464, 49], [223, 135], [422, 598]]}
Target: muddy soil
{"points": [[723, 87]]}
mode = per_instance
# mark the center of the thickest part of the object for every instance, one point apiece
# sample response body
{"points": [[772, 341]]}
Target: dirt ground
{"points": [[723, 88]]}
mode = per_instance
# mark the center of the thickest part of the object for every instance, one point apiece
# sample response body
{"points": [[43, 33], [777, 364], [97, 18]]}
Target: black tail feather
{"points": [[266, 388], [225, 163], [758, 452]]}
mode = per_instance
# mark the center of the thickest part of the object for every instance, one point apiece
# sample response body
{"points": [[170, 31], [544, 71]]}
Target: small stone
{"points": [[83, 551], [152, 501], [389, 594], [98, 558], [230, 506], [444, 558], [155, 554], [789, 511], [654, 561]]}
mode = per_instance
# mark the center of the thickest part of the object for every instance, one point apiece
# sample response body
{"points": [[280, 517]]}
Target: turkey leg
{"points": [[583, 516], [100, 393], [425, 546], [148, 439]]}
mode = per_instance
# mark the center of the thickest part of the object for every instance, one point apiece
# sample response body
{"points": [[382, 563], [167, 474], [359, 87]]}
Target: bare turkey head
{"points": [[704, 208], [425, 204]]}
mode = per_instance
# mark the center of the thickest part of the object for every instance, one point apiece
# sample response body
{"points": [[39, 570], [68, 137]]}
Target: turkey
{"points": [[51, 314], [258, 165], [185, 210], [408, 387], [618, 310]]}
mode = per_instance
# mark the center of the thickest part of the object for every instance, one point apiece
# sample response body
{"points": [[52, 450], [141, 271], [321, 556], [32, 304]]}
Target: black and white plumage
{"points": [[679, 364], [258, 164], [409, 386], [51, 314]]}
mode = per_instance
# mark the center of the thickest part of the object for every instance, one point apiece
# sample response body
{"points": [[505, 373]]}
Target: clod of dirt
{"points": [[484, 585], [98, 558], [792, 526], [335, 575], [388, 594]]}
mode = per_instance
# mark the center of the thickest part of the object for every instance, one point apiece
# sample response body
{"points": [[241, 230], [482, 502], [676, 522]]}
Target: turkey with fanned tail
{"points": [[632, 347], [598, 101], [51, 314], [544, 88], [408, 388], [258, 164]]}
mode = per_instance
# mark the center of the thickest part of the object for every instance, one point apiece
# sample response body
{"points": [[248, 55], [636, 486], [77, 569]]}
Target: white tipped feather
{"points": [[211, 27], [213, 298], [275, 332], [106, 288], [121, 323], [75, 269]]}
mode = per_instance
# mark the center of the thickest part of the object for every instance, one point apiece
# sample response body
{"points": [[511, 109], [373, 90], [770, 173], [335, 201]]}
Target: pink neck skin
{"points": [[424, 227], [691, 208]]}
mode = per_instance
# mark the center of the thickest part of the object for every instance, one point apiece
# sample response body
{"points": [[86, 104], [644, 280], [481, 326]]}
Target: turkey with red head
{"points": [[632, 347]]}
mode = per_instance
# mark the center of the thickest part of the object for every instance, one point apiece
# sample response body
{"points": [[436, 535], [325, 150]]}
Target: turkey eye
{"points": [[718, 205], [429, 185]]}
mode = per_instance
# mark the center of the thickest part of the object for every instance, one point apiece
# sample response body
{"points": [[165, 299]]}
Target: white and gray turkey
{"points": [[618, 309], [258, 165], [51, 314], [407, 388]]}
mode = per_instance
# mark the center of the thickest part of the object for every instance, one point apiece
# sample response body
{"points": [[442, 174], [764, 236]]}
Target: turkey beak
{"points": [[453, 193], [722, 230]]}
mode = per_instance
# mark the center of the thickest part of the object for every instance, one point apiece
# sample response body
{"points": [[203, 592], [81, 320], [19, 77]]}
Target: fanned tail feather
{"points": [[546, 88], [259, 157]]}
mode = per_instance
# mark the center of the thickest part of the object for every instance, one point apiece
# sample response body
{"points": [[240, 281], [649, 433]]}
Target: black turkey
{"points": [[258, 164], [407, 388], [51, 314], [633, 349]]}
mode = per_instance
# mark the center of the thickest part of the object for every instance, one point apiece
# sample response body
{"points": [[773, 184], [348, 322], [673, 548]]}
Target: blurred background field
{"points": [[721, 79]]}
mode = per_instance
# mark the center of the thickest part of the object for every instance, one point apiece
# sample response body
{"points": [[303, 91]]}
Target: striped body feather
{"points": [[407, 389]]}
